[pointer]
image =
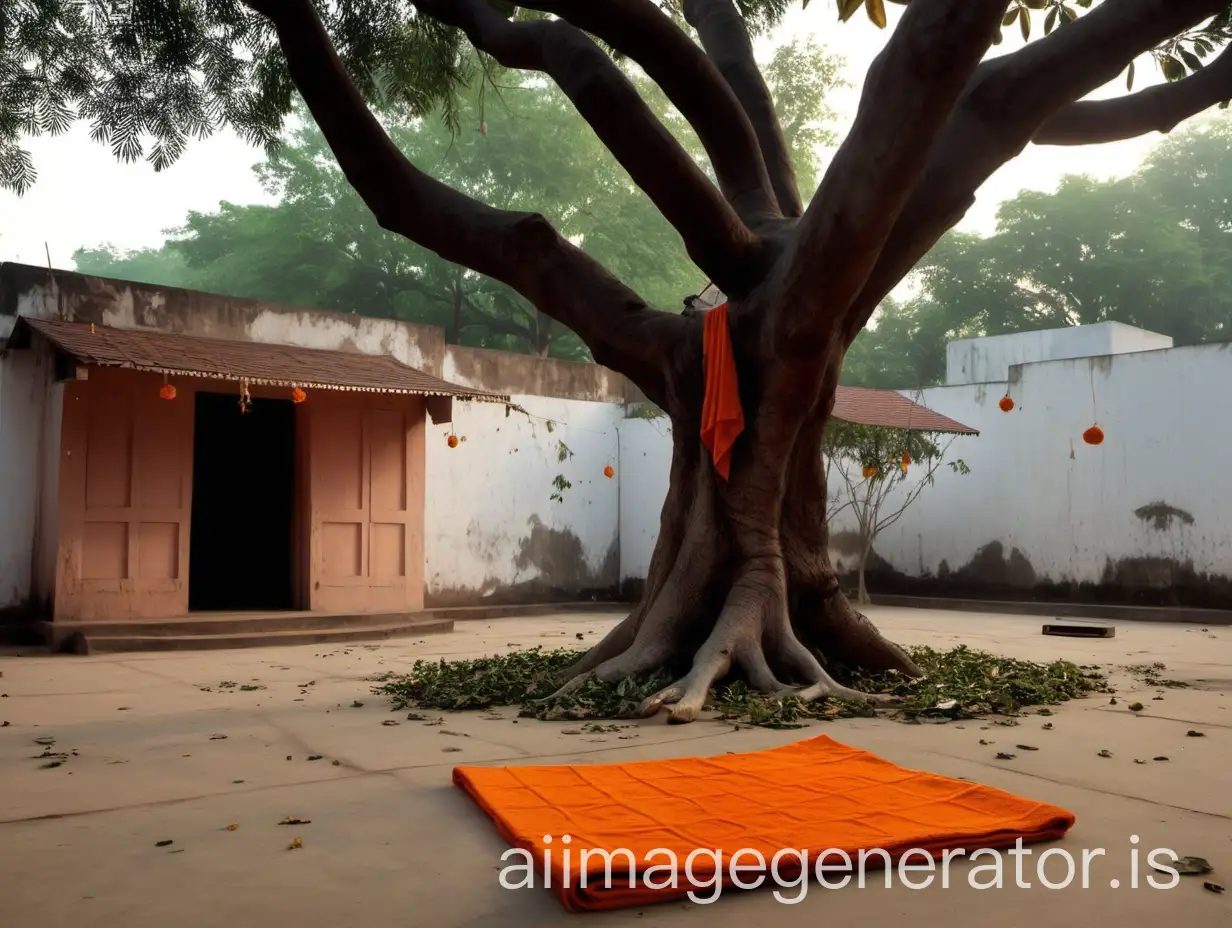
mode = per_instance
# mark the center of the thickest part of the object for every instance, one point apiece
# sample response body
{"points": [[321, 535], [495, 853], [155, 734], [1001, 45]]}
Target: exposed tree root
{"points": [[740, 586]]}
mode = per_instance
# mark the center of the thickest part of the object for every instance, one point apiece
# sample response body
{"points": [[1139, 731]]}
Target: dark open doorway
{"points": [[243, 502]]}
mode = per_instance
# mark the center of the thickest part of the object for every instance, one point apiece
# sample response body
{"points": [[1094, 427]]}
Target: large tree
{"points": [[739, 581]]}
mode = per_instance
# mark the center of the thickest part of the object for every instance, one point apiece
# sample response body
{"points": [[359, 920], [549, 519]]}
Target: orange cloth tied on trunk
{"points": [[722, 416], [815, 797]]}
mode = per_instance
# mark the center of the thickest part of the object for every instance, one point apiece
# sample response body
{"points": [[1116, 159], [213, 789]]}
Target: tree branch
{"points": [[717, 241], [1157, 109], [910, 91], [1006, 103], [725, 38], [520, 249], [692, 82]]}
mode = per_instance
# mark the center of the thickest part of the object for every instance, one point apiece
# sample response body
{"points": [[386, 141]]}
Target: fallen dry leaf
{"points": [[1192, 865], [233, 826], [292, 820], [296, 844]]}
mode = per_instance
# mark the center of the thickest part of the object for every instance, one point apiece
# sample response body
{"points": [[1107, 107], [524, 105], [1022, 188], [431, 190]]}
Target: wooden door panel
{"points": [[366, 456], [126, 484]]}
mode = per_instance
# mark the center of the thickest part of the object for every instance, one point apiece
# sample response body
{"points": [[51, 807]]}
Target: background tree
{"points": [[740, 580], [874, 470], [516, 144], [1152, 250]]}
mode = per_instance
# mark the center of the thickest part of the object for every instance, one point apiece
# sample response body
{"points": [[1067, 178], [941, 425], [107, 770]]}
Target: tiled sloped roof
{"points": [[888, 409], [255, 362]]}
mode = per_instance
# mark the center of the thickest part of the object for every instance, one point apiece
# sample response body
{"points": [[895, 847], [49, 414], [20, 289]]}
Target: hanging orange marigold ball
{"points": [[609, 472], [167, 392], [452, 441], [1006, 404], [870, 470], [298, 395], [906, 459], [1093, 436]]}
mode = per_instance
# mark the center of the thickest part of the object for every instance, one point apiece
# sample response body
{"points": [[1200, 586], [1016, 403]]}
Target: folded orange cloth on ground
{"points": [[722, 416], [812, 796]]}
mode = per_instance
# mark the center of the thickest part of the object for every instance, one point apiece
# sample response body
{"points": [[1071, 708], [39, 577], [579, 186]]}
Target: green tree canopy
{"points": [[517, 145]]}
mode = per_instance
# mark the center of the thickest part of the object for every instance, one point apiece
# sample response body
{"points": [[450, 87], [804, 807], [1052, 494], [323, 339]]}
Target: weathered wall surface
{"points": [[505, 373], [645, 466], [24, 387], [988, 360], [494, 535], [31, 291], [1146, 517]]}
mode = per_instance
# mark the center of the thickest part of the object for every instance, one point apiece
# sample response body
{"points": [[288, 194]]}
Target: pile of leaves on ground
{"points": [[1152, 675], [958, 683]]}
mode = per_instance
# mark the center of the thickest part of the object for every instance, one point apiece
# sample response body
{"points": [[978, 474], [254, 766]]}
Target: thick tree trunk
{"points": [[740, 583]]}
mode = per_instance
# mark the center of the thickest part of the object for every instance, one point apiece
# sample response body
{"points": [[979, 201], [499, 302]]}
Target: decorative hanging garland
{"points": [[1006, 403], [609, 472], [298, 395], [1094, 435]]}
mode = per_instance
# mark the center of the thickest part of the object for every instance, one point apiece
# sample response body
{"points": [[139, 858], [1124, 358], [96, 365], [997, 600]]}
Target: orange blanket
{"points": [[722, 416], [814, 796]]}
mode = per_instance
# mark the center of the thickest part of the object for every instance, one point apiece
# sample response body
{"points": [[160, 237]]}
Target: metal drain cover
{"points": [[1066, 629]]}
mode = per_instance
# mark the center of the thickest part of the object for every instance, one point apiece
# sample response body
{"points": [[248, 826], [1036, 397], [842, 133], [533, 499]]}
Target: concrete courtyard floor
{"points": [[391, 842]]}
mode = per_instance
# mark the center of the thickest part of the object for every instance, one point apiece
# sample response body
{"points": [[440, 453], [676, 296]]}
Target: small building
{"points": [[190, 471]]}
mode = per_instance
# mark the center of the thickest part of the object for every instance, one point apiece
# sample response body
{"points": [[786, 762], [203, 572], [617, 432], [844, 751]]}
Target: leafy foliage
{"points": [[151, 75], [959, 683], [872, 465], [1153, 250], [519, 145]]}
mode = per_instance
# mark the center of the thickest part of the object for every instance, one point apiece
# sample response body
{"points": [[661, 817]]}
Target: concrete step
{"points": [[108, 644], [225, 623], [472, 613]]}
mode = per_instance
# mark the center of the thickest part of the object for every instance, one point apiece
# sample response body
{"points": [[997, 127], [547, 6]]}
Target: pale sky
{"points": [[85, 197]]}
